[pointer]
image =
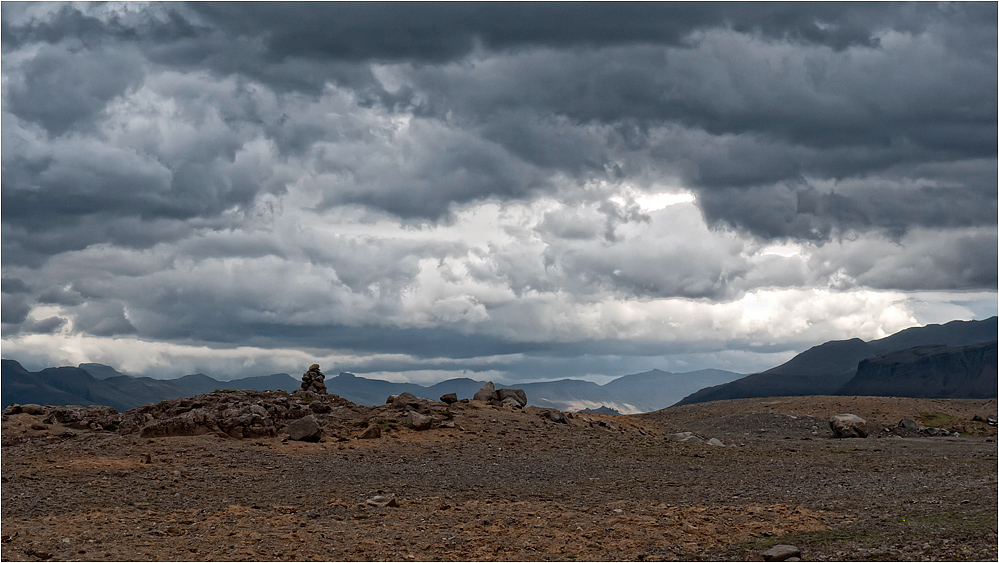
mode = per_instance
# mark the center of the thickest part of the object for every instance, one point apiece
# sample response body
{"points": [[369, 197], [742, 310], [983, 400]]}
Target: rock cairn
{"points": [[314, 380]]}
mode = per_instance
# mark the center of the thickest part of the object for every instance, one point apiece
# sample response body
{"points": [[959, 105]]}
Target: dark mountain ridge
{"points": [[825, 369]]}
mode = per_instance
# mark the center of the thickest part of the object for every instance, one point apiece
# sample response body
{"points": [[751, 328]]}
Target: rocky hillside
{"points": [[826, 368], [929, 371]]}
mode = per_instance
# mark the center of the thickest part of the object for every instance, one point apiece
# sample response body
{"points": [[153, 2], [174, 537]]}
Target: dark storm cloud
{"points": [[180, 172]]}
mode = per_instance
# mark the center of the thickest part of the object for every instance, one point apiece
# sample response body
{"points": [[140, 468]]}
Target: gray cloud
{"points": [[458, 181]]}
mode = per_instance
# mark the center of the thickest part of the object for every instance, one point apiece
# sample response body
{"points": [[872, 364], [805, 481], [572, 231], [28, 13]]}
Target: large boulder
{"points": [[371, 432], [848, 426], [406, 401], [516, 395], [314, 380], [449, 398], [305, 429], [486, 393]]}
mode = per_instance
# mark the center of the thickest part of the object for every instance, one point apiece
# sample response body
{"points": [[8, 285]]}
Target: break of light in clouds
{"points": [[503, 191]]}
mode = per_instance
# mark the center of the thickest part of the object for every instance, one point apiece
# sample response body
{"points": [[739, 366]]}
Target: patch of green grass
{"points": [[934, 419]]}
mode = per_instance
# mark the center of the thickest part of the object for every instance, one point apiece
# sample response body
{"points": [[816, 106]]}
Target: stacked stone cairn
{"points": [[313, 381]]}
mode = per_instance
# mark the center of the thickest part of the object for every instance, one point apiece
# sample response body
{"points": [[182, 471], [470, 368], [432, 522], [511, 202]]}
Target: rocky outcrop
{"points": [[958, 372], [313, 381], [848, 426]]}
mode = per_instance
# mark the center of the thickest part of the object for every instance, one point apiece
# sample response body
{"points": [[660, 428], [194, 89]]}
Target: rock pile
{"points": [[515, 398], [314, 381]]}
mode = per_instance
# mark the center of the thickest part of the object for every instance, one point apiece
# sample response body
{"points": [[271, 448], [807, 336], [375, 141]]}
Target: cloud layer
{"points": [[415, 190]]}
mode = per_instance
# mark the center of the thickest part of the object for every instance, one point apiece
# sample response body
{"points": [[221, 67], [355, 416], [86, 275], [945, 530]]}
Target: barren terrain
{"points": [[513, 484]]}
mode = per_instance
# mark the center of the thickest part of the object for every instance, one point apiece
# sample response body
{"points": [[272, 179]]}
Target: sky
{"points": [[503, 191]]}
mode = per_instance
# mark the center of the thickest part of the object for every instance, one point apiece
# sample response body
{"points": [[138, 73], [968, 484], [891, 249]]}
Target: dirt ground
{"points": [[511, 484]]}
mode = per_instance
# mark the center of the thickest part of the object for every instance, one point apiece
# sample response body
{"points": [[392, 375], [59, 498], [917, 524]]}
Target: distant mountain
{"points": [[826, 368], [641, 392], [92, 384], [79, 386], [942, 372]]}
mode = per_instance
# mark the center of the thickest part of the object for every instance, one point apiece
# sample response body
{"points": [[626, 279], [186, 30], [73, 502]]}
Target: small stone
{"points": [[305, 429], [715, 442], [908, 424], [932, 431], [371, 432], [781, 552], [693, 439], [449, 398], [381, 501], [557, 416]]}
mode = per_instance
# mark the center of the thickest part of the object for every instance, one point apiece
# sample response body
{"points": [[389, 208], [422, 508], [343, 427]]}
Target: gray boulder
{"points": [[449, 398], [419, 421], [848, 426], [908, 424], [486, 393], [371, 432], [517, 395], [715, 442], [781, 552], [305, 429], [406, 401]]}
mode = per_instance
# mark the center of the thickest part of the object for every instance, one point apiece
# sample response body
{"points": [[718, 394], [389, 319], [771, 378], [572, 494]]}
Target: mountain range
{"points": [[953, 360], [928, 361], [91, 384]]}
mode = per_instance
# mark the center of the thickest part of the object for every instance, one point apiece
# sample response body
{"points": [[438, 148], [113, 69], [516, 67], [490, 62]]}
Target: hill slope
{"points": [[826, 368], [929, 371]]}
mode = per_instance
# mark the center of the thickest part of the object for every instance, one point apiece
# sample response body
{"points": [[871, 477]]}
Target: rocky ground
{"points": [[217, 477]]}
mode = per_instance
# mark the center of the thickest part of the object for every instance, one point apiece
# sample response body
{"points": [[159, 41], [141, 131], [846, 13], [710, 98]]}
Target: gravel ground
{"points": [[508, 484]]}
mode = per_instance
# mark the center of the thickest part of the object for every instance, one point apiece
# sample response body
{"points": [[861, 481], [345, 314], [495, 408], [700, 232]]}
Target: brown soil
{"points": [[508, 484]]}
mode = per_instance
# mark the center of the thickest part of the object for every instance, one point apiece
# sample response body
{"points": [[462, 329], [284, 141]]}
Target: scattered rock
{"points": [[371, 432], [486, 393], [932, 431], [694, 439], [848, 426], [517, 395], [447, 424], [908, 424], [305, 429], [381, 501], [449, 398], [715, 442], [419, 421], [314, 380], [781, 552]]}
